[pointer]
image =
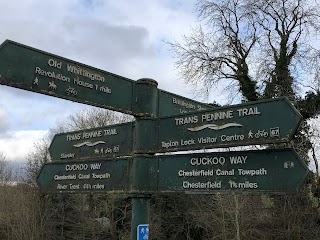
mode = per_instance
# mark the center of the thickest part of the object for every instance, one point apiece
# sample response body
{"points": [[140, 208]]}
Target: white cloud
{"points": [[18, 144], [4, 119], [25, 110]]}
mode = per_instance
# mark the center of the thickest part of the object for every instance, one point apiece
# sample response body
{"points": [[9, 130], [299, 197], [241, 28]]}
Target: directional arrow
{"points": [[171, 104], [109, 141], [78, 176], [34, 70], [260, 122], [37, 71], [253, 171]]}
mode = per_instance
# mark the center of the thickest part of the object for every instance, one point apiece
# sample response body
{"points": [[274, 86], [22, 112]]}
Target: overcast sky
{"points": [[123, 37]]}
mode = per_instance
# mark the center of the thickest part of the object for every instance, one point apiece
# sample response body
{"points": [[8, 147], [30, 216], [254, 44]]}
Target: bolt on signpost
{"points": [[120, 158]]}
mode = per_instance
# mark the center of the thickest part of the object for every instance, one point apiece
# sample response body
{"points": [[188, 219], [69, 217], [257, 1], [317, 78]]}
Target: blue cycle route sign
{"points": [[143, 232]]}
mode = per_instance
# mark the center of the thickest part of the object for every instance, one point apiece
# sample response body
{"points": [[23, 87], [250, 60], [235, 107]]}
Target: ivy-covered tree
{"points": [[263, 47], [258, 50]]}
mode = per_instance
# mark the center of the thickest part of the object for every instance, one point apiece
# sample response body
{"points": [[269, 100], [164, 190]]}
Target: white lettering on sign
{"points": [[62, 186], [101, 176], [107, 150], [52, 74], [98, 186], [104, 89], [238, 159], [81, 83], [183, 103], [74, 186], [230, 138], [208, 117], [202, 140], [207, 161], [78, 71], [91, 134], [243, 185], [85, 73], [95, 166], [169, 144], [195, 173], [186, 120], [65, 177], [76, 167], [83, 176], [67, 155], [200, 108], [221, 172], [206, 140], [109, 132], [188, 142], [73, 137], [243, 112], [201, 185], [86, 186], [215, 116], [54, 63], [252, 172]]}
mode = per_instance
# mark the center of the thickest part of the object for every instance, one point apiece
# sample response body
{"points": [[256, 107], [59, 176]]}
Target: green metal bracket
{"points": [[145, 136], [144, 172], [146, 98]]}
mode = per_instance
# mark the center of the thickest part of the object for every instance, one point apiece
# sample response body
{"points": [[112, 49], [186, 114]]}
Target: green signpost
{"points": [[203, 173], [251, 171], [120, 158], [109, 141], [34, 70], [260, 122], [171, 104], [107, 175], [37, 71]]}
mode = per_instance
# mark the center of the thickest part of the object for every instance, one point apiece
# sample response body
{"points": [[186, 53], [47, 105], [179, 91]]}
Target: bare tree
{"points": [[92, 117], [259, 45], [208, 57], [70, 216], [6, 171]]}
